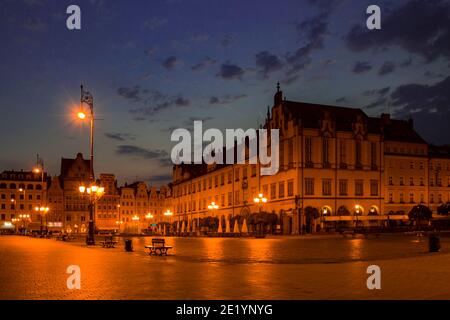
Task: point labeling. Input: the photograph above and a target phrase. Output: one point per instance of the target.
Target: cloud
(386, 68)
(226, 99)
(203, 64)
(361, 67)
(312, 32)
(155, 23)
(373, 92)
(131, 93)
(145, 76)
(290, 79)
(158, 102)
(423, 96)
(135, 151)
(171, 62)
(418, 26)
(341, 100)
(267, 63)
(230, 71)
(377, 103)
(120, 136)
(227, 40)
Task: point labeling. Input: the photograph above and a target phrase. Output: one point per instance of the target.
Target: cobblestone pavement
(36, 269)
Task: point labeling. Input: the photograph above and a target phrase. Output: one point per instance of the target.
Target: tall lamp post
(260, 200)
(94, 193)
(169, 214)
(86, 97)
(42, 211)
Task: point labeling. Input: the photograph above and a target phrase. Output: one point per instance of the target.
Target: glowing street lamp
(94, 192)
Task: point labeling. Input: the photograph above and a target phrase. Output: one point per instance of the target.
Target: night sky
(153, 66)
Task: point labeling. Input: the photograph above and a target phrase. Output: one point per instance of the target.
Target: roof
(439, 151)
(311, 114)
(401, 130)
(67, 163)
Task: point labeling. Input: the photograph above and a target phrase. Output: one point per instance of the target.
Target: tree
(420, 212)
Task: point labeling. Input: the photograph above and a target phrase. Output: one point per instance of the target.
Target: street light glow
(81, 115)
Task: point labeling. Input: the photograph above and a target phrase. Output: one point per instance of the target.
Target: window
(374, 187)
(391, 183)
(411, 181)
(325, 154)
(290, 153)
(358, 163)
(401, 181)
(222, 179)
(210, 182)
(290, 188)
(373, 155)
(309, 186)
(308, 151)
(236, 174)
(216, 181)
(359, 187)
(265, 190)
(391, 199)
(439, 198)
(236, 197)
(431, 198)
(230, 198)
(253, 170)
(281, 189)
(421, 198)
(342, 159)
(326, 187)
(411, 198)
(273, 191)
(401, 198)
(411, 165)
(244, 173)
(343, 187)
(230, 176)
(222, 200)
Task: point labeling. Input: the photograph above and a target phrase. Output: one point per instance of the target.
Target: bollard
(434, 243)
(128, 245)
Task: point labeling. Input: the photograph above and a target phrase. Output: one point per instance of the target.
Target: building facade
(338, 168)
(21, 192)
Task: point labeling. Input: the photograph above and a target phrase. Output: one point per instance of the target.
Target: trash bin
(128, 245)
(434, 243)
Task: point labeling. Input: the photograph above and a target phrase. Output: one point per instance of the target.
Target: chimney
(385, 119)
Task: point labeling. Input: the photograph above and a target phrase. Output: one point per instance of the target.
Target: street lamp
(42, 211)
(169, 214)
(259, 201)
(213, 206)
(94, 193)
(87, 98)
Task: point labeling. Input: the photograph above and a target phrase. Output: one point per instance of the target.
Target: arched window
(30, 187)
(12, 186)
(2, 185)
(38, 187)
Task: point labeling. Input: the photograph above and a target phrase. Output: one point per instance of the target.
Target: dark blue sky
(156, 65)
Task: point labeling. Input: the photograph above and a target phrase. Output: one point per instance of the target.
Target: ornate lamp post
(135, 219)
(87, 98)
(42, 211)
(94, 193)
(169, 214)
(260, 200)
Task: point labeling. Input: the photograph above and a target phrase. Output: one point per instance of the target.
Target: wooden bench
(109, 242)
(158, 247)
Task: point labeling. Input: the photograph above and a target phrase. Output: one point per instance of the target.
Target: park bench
(158, 247)
(109, 242)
